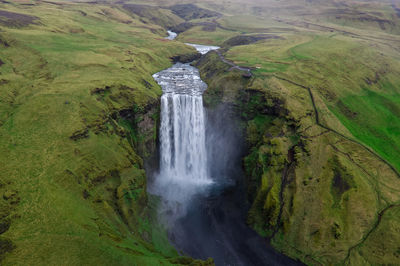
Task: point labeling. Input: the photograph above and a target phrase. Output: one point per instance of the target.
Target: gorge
(256, 133)
(201, 181)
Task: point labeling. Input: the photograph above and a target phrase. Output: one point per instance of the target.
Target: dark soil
(207, 26)
(11, 19)
(5, 246)
(190, 11)
(248, 39)
(4, 225)
(346, 110)
(182, 27)
(339, 183)
(397, 9)
(4, 42)
(186, 58)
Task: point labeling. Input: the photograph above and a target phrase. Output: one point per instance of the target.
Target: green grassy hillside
(321, 112)
(358, 84)
(78, 113)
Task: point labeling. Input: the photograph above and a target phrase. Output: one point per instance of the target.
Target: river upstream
(200, 180)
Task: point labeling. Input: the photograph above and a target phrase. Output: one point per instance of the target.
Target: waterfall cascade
(205, 217)
(182, 133)
(183, 156)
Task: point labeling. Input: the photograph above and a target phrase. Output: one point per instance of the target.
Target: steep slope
(322, 165)
(78, 114)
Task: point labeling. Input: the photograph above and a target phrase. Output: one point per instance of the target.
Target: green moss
(313, 190)
(257, 127)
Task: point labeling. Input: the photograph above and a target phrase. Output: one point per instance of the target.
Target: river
(200, 181)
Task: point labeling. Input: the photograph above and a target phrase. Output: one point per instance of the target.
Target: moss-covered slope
(317, 189)
(78, 114)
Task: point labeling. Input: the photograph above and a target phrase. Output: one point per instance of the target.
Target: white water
(203, 49)
(202, 223)
(171, 35)
(184, 170)
(182, 133)
(183, 156)
(183, 152)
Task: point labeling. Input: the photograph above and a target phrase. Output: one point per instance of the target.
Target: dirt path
(233, 65)
(380, 213)
(317, 120)
(374, 227)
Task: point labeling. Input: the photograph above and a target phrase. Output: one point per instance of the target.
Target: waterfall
(205, 217)
(183, 156)
(182, 137)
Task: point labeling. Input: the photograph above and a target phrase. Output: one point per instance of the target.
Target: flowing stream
(200, 180)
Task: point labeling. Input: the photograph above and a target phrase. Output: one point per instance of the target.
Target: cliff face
(321, 196)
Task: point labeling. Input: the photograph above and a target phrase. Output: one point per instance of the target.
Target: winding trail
(328, 129)
(374, 227)
(317, 120)
(233, 65)
(380, 213)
